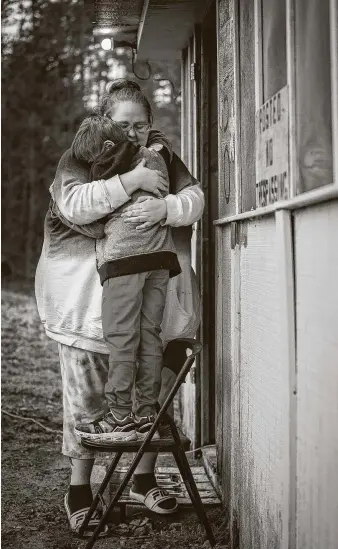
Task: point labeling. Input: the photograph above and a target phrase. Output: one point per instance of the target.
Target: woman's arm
(92, 230)
(182, 207)
(176, 210)
(79, 201)
(82, 202)
(186, 207)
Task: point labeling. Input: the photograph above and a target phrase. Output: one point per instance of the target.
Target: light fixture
(107, 44)
(101, 31)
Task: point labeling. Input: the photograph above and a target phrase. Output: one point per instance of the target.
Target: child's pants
(132, 313)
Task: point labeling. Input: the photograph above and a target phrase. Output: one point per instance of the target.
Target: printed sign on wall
(272, 150)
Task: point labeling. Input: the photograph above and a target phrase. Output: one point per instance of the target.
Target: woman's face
(130, 116)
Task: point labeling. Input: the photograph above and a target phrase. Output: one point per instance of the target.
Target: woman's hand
(141, 177)
(145, 212)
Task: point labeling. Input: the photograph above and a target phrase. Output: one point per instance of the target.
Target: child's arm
(92, 230)
(157, 141)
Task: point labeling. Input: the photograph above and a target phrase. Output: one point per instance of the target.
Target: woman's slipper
(153, 498)
(76, 519)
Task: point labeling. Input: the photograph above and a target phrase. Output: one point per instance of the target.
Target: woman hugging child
(134, 268)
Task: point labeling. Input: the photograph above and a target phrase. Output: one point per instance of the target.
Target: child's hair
(90, 137)
(121, 90)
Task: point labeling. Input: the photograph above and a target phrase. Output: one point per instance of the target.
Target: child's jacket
(124, 250)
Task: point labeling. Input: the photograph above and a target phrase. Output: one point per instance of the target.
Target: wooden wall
(264, 393)
(276, 330)
(277, 442)
(254, 405)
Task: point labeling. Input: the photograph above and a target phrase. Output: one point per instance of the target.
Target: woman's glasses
(138, 127)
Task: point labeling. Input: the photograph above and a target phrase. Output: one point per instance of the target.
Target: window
(285, 115)
(305, 98)
(263, 22)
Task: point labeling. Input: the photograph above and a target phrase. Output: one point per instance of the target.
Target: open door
(199, 124)
(208, 115)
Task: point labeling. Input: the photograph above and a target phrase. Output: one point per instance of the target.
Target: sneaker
(108, 429)
(143, 425)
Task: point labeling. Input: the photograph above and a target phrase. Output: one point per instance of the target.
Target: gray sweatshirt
(123, 249)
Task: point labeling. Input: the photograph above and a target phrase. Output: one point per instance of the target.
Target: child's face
(133, 119)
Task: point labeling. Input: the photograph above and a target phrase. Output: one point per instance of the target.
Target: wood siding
(316, 270)
(278, 440)
(264, 394)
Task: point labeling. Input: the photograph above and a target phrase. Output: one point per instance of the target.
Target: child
(134, 268)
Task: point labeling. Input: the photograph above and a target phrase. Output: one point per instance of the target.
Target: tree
(53, 73)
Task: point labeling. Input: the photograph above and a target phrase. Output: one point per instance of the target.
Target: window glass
(274, 46)
(313, 89)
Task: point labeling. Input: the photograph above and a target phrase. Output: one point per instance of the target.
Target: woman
(68, 289)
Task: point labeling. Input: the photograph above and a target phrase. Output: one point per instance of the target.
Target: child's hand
(155, 147)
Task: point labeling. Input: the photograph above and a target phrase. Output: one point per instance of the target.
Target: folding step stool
(176, 445)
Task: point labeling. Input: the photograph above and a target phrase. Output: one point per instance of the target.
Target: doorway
(208, 112)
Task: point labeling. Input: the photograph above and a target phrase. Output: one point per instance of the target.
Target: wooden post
(284, 246)
(236, 453)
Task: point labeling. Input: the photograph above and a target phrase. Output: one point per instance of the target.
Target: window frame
(334, 85)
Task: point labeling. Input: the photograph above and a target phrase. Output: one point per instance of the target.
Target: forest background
(54, 72)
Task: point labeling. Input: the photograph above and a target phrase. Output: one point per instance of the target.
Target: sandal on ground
(76, 519)
(153, 498)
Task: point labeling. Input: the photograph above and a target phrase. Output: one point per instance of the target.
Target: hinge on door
(193, 375)
(193, 71)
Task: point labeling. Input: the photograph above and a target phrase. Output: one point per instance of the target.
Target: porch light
(107, 44)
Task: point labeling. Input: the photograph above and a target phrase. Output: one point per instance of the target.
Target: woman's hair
(90, 137)
(121, 90)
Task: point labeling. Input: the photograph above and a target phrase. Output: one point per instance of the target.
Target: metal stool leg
(189, 481)
(123, 485)
(100, 492)
(115, 499)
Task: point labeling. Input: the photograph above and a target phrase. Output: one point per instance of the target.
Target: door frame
(205, 241)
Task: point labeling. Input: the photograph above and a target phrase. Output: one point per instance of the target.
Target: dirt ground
(35, 476)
